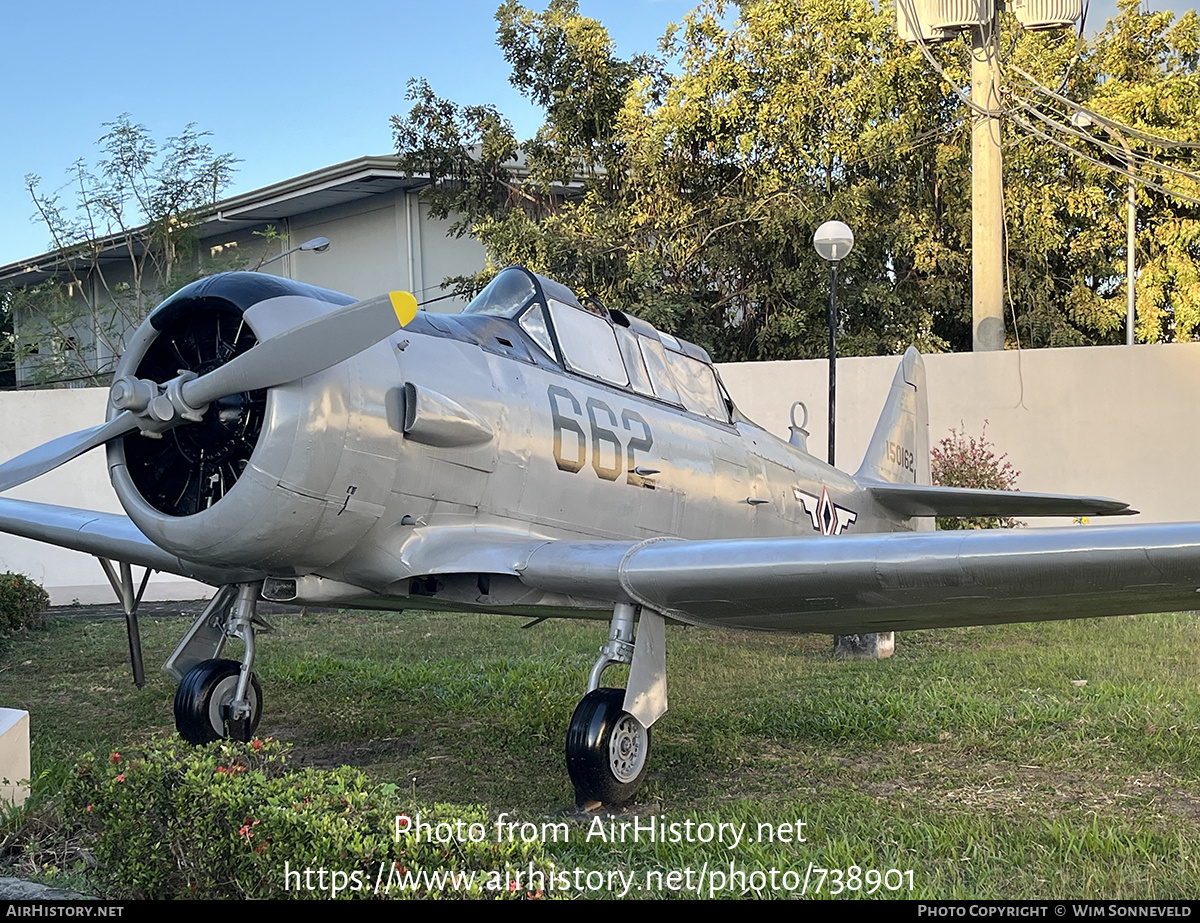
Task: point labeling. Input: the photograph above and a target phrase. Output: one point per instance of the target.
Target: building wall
(1114, 421)
(380, 244)
(377, 244)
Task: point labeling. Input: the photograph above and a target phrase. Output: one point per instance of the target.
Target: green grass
(1050, 760)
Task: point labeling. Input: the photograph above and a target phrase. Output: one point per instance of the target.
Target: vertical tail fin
(899, 450)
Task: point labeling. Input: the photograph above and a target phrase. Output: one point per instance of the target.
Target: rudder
(899, 450)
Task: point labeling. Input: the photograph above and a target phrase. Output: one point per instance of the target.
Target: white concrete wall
(29, 418)
(1114, 421)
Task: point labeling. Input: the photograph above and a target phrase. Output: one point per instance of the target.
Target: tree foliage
(1066, 215)
(120, 240)
(686, 187)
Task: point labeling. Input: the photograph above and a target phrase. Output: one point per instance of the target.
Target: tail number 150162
(608, 449)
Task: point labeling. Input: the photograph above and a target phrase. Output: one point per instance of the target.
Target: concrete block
(874, 646)
(14, 756)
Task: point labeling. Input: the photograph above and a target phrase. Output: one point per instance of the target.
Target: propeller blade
(311, 347)
(50, 455)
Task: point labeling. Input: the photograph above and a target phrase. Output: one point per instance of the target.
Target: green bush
(236, 821)
(23, 603)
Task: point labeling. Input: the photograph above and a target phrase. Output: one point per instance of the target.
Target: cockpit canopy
(605, 344)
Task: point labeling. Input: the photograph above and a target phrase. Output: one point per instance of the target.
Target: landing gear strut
(219, 698)
(608, 748)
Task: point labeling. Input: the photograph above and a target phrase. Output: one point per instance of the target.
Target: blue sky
(286, 87)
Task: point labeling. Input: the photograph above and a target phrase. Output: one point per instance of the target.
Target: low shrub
(23, 603)
(959, 460)
(236, 821)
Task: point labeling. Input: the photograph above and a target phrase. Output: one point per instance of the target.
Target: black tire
(200, 701)
(608, 750)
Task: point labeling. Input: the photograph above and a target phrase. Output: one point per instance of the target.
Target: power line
(964, 96)
(1068, 129)
(1103, 119)
(1037, 132)
(1113, 149)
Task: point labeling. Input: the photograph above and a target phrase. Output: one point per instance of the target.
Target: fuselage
(369, 480)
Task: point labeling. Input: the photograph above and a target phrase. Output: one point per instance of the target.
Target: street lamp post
(833, 242)
(316, 245)
(1083, 120)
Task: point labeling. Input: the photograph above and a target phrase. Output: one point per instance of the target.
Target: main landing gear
(205, 703)
(219, 698)
(608, 750)
(608, 739)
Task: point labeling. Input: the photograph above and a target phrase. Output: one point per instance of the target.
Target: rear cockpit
(603, 344)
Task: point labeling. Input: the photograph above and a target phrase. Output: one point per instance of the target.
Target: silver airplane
(542, 455)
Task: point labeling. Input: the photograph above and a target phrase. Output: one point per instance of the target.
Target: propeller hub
(129, 393)
(158, 408)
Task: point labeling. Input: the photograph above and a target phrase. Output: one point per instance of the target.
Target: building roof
(329, 186)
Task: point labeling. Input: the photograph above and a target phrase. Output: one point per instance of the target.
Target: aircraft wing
(882, 582)
(922, 500)
(105, 535)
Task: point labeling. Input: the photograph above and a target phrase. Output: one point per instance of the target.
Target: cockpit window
(609, 346)
(698, 386)
(635, 365)
(588, 343)
(504, 296)
(533, 322)
(660, 376)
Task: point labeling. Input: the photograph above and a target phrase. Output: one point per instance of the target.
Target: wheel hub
(220, 704)
(627, 748)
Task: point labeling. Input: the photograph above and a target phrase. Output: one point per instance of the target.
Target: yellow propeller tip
(405, 306)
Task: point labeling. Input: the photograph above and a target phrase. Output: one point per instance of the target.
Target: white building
(382, 238)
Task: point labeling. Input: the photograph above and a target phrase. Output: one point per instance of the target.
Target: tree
(120, 239)
(1066, 206)
(1153, 86)
(693, 201)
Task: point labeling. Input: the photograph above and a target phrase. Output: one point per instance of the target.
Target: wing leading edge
(885, 582)
(105, 535)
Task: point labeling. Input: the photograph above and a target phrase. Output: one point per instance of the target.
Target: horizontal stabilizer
(921, 500)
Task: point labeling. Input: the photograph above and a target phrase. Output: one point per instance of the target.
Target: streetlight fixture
(833, 242)
(317, 245)
(1082, 119)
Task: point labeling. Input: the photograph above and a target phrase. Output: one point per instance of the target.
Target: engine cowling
(284, 480)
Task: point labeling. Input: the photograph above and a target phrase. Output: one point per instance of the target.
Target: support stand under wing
(122, 584)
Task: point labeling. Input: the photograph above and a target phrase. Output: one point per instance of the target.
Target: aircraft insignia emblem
(827, 517)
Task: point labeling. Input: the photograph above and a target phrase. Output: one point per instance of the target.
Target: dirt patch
(353, 753)
(958, 779)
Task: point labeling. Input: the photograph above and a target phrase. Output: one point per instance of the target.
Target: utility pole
(920, 22)
(987, 193)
